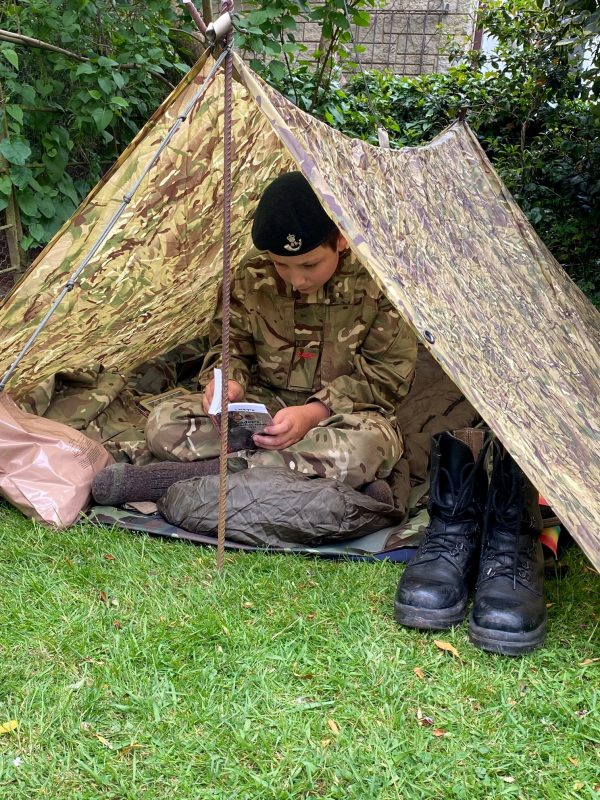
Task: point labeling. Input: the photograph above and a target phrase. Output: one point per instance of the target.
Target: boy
(314, 339)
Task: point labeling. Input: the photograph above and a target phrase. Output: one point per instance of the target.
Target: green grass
(136, 672)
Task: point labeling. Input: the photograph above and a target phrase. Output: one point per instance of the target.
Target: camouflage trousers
(354, 448)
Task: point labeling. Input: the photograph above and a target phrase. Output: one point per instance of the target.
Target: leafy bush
(65, 116)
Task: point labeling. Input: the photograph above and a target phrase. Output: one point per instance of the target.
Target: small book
(150, 401)
(244, 419)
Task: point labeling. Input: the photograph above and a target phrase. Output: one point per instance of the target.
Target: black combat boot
(509, 613)
(433, 590)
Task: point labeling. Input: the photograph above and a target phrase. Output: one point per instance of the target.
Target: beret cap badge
(293, 244)
(289, 203)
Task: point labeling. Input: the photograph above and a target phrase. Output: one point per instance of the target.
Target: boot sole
(431, 619)
(506, 643)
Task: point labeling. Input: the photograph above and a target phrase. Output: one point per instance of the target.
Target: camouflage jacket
(344, 345)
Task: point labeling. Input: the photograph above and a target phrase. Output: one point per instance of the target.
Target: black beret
(289, 219)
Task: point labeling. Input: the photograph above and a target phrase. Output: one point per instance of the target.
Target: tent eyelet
(429, 337)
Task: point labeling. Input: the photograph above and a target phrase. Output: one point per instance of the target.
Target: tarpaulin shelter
(434, 225)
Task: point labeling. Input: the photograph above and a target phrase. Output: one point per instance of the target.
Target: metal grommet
(429, 337)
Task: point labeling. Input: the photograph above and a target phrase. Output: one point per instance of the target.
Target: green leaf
(119, 101)
(277, 70)
(67, 188)
(85, 69)
(28, 203)
(5, 184)
(3, 203)
(102, 117)
(69, 17)
(258, 17)
(103, 61)
(46, 207)
(16, 112)
(106, 84)
(139, 27)
(15, 152)
(35, 185)
(21, 176)
(11, 56)
(118, 79)
(361, 18)
(37, 231)
(273, 48)
(28, 94)
(44, 88)
(94, 94)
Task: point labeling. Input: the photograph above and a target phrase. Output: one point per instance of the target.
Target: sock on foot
(126, 483)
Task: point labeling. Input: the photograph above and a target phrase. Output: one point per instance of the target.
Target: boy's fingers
(235, 391)
(271, 442)
(276, 428)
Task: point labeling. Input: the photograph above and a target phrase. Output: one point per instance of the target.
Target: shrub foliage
(67, 112)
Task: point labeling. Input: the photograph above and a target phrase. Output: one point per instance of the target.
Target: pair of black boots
(482, 533)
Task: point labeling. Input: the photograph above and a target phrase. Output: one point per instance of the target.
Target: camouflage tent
(434, 224)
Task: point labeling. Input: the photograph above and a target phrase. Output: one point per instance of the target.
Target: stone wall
(406, 35)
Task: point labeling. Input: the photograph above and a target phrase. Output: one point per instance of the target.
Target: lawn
(134, 671)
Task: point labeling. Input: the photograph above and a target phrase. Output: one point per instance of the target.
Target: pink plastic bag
(46, 468)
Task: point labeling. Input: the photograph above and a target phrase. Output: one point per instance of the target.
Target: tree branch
(17, 38)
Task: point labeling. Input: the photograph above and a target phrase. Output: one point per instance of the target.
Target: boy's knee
(165, 429)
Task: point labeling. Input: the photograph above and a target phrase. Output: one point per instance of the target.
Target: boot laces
(438, 539)
(505, 560)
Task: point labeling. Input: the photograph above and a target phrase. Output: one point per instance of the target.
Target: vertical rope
(226, 6)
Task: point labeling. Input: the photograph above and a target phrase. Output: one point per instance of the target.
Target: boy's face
(310, 271)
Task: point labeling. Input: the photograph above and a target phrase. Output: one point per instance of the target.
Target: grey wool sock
(126, 483)
(379, 490)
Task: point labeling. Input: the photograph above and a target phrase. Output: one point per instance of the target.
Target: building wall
(406, 35)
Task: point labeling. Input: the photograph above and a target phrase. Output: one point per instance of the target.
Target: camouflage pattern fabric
(434, 225)
(459, 259)
(153, 283)
(354, 448)
(344, 345)
(104, 405)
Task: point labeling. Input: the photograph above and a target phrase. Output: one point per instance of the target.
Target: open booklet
(244, 419)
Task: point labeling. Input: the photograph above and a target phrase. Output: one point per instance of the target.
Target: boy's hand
(290, 425)
(235, 393)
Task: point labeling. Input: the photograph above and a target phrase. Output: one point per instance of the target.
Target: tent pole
(226, 8)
